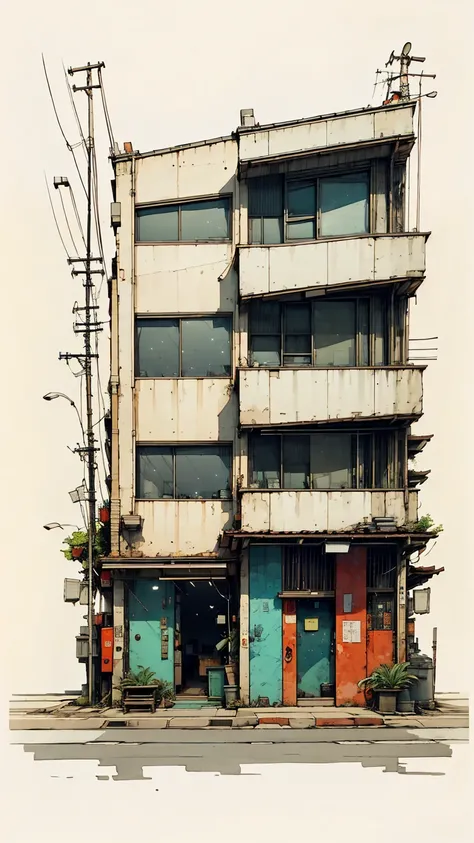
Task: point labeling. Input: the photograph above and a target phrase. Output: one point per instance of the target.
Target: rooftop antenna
(405, 60)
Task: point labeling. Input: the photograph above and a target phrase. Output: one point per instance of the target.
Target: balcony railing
(317, 511)
(302, 396)
(331, 263)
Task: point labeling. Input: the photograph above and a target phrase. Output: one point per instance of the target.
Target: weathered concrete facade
(262, 396)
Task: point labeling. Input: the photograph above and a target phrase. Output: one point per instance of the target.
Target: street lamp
(53, 525)
(51, 396)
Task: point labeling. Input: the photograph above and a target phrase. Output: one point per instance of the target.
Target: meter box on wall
(72, 590)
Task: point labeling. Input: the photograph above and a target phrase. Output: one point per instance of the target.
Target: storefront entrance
(203, 622)
(314, 646)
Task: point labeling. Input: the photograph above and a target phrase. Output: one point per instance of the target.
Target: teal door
(314, 646)
(151, 627)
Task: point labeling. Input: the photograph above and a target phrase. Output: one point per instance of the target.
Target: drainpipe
(114, 398)
(392, 159)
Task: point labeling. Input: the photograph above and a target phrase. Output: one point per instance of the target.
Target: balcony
(305, 396)
(329, 264)
(316, 511)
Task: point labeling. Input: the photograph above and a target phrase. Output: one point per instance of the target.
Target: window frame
(178, 204)
(173, 448)
(373, 302)
(396, 461)
(315, 179)
(179, 319)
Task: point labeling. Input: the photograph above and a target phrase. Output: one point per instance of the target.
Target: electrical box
(421, 601)
(347, 603)
(82, 647)
(72, 591)
(115, 213)
(84, 594)
(107, 644)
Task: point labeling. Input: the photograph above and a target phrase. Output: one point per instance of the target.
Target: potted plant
(144, 682)
(231, 642)
(104, 513)
(386, 682)
(78, 544)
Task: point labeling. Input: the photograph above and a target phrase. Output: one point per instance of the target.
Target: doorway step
(185, 701)
(315, 702)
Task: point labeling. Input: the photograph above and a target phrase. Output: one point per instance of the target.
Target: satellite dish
(406, 49)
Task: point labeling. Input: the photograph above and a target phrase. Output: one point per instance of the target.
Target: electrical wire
(106, 110)
(69, 146)
(76, 213)
(67, 222)
(55, 217)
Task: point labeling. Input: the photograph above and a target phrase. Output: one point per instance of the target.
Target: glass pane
(264, 317)
(344, 205)
(157, 348)
(255, 231)
(203, 472)
(272, 230)
(154, 473)
(205, 220)
(331, 461)
(380, 332)
(297, 344)
(296, 462)
(301, 199)
(205, 347)
(364, 331)
(381, 452)
(265, 350)
(297, 360)
(334, 333)
(304, 230)
(265, 462)
(297, 318)
(365, 461)
(157, 225)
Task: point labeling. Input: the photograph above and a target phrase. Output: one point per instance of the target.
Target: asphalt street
(223, 751)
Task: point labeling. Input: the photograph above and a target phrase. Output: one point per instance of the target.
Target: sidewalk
(452, 712)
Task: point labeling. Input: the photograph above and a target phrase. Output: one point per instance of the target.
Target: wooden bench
(139, 696)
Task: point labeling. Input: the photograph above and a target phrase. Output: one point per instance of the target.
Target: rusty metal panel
(185, 173)
(400, 257)
(185, 279)
(395, 507)
(350, 393)
(253, 145)
(412, 506)
(398, 392)
(297, 395)
(296, 511)
(347, 509)
(254, 390)
(183, 527)
(172, 410)
(303, 136)
(350, 260)
(393, 122)
(350, 129)
(294, 267)
(255, 512)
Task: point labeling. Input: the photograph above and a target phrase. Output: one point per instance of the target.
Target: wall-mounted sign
(348, 603)
(221, 620)
(351, 632)
(290, 618)
(311, 624)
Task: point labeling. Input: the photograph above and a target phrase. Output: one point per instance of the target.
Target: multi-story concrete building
(262, 402)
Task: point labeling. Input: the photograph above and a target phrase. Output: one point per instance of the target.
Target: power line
(67, 223)
(55, 217)
(106, 111)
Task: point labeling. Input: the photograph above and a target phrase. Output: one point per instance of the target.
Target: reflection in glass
(205, 347)
(157, 348)
(203, 472)
(154, 467)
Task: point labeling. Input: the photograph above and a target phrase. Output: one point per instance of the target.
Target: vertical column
(401, 609)
(244, 660)
(289, 653)
(351, 625)
(119, 637)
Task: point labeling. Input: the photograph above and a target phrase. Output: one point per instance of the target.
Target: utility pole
(87, 327)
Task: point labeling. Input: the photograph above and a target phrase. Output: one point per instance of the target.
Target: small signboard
(311, 624)
(351, 632)
(290, 618)
(221, 620)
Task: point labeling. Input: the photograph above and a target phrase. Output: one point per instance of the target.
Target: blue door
(151, 627)
(314, 646)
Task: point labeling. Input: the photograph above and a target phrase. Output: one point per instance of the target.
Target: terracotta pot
(77, 552)
(104, 515)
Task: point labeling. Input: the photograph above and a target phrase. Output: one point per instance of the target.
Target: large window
(332, 460)
(194, 472)
(349, 332)
(332, 206)
(189, 222)
(188, 348)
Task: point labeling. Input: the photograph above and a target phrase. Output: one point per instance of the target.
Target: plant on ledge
(385, 682)
(425, 524)
(145, 677)
(78, 543)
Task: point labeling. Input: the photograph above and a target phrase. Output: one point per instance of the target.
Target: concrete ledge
(190, 722)
(57, 723)
(273, 721)
(245, 722)
(302, 722)
(334, 721)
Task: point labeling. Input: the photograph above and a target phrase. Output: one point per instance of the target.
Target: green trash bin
(215, 683)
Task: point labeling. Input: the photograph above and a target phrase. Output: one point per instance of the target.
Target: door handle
(288, 654)
(137, 637)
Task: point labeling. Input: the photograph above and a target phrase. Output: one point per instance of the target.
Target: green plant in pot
(386, 682)
(144, 677)
(231, 644)
(78, 544)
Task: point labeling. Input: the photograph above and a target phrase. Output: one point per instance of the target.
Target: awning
(416, 575)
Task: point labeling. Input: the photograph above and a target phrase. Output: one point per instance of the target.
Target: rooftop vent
(247, 117)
